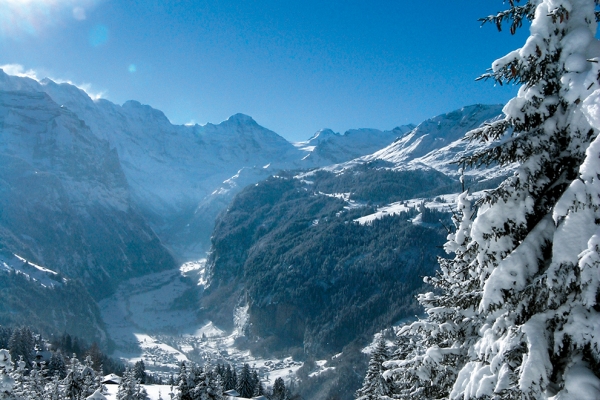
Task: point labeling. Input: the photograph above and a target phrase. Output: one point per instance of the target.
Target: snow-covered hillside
(436, 144)
(156, 319)
(328, 147)
(34, 273)
(176, 173)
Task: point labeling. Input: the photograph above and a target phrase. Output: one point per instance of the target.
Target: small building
(111, 379)
(231, 394)
(234, 395)
(97, 395)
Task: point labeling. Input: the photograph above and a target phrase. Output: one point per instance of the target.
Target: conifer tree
(278, 389)
(53, 389)
(96, 355)
(21, 344)
(516, 311)
(139, 371)
(214, 387)
(7, 382)
(375, 386)
(5, 334)
(228, 380)
(90, 380)
(245, 385)
(201, 381)
(56, 365)
(255, 380)
(234, 378)
(130, 388)
(259, 389)
(35, 384)
(72, 383)
(185, 383)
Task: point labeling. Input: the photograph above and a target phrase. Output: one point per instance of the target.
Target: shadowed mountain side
(65, 200)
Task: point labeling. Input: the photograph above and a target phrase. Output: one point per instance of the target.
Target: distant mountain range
(100, 193)
(173, 171)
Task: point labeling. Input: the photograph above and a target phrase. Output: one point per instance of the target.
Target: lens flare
(98, 35)
(79, 13)
(30, 17)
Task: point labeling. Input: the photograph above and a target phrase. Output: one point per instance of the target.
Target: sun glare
(30, 17)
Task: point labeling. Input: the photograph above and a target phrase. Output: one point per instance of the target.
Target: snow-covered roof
(234, 395)
(97, 395)
(112, 378)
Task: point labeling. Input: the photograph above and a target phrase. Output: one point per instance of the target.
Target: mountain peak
(241, 118)
(145, 110)
(322, 134)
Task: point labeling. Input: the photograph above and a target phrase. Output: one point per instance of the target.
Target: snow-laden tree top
(516, 314)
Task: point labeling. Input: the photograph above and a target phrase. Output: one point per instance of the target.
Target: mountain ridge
(199, 158)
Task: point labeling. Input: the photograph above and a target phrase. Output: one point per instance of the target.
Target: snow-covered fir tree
(515, 315)
(259, 389)
(279, 390)
(21, 344)
(198, 383)
(130, 388)
(245, 385)
(185, 382)
(229, 380)
(375, 386)
(139, 371)
(7, 382)
(56, 365)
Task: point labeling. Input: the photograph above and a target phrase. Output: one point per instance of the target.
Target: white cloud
(19, 70)
(33, 16)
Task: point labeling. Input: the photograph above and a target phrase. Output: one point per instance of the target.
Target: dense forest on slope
(372, 183)
(312, 278)
(65, 307)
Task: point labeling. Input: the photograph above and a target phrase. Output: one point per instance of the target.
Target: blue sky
(294, 66)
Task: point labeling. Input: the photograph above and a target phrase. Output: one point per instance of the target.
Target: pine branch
(514, 15)
(488, 132)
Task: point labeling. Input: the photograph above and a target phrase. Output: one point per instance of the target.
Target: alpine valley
(221, 242)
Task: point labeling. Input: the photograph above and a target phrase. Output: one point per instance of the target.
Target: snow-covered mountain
(64, 198)
(95, 190)
(181, 176)
(328, 147)
(169, 169)
(436, 144)
(417, 165)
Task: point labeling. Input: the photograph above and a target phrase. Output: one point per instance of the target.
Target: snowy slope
(327, 147)
(147, 321)
(436, 144)
(35, 273)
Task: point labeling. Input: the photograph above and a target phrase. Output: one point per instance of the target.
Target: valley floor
(148, 320)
